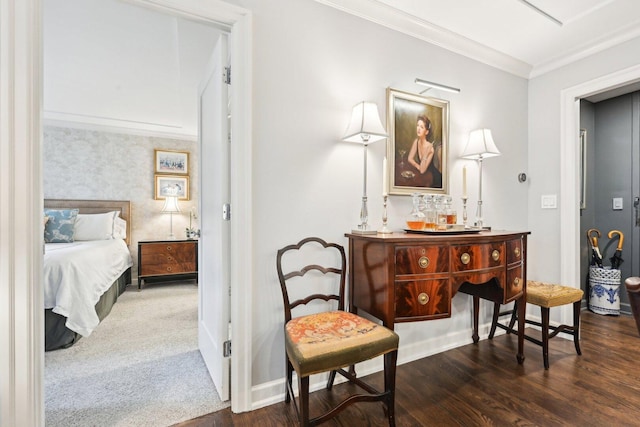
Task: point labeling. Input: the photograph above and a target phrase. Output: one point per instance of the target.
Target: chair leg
(576, 325)
(332, 377)
(545, 336)
(303, 399)
(287, 396)
(494, 321)
(390, 360)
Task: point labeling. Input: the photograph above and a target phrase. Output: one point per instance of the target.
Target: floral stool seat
(545, 295)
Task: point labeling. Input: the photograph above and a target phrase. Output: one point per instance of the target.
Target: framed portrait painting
(172, 185)
(172, 162)
(418, 130)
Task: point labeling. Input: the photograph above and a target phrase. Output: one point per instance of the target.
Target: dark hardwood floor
(483, 385)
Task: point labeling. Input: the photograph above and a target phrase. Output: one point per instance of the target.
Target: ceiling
(525, 37)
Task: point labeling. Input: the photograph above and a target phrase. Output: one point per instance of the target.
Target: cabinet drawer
(476, 257)
(159, 269)
(427, 299)
(514, 251)
(426, 259)
(167, 248)
(514, 284)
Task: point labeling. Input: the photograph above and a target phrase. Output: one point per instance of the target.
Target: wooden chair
(329, 341)
(544, 295)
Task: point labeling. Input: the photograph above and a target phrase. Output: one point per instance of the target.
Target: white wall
(545, 145)
(110, 63)
(312, 63)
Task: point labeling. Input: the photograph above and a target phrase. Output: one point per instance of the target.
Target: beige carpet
(140, 367)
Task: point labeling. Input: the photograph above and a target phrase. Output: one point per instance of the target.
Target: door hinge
(226, 212)
(226, 348)
(226, 75)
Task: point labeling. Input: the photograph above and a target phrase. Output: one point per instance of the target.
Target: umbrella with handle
(596, 257)
(616, 259)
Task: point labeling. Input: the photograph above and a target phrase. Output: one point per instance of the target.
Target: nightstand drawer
(167, 268)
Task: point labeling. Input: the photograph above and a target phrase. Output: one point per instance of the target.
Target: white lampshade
(171, 205)
(365, 125)
(480, 145)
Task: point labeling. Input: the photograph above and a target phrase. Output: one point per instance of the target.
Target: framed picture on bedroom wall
(172, 162)
(418, 143)
(172, 185)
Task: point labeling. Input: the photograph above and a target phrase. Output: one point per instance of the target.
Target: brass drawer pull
(423, 262)
(168, 268)
(516, 251)
(465, 258)
(495, 255)
(169, 248)
(516, 281)
(169, 258)
(423, 298)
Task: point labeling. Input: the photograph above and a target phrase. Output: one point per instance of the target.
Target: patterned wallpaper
(88, 164)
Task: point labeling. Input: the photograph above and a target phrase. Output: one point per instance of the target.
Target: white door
(214, 286)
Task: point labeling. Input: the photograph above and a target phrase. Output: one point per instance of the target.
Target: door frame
(21, 195)
(569, 174)
(239, 22)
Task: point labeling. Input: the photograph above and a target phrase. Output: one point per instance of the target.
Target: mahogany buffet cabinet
(409, 277)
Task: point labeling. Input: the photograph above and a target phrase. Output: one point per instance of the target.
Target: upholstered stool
(545, 295)
(633, 290)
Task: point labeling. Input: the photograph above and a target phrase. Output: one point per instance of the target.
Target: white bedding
(77, 274)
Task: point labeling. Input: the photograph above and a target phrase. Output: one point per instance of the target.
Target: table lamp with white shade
(171, 207)
(364, 128)
(479, 147)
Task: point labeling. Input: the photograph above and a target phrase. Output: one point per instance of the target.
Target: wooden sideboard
(408, 277)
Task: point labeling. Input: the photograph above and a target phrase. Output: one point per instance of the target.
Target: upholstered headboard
(95, 207)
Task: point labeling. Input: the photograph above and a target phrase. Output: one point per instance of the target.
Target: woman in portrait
(423, 155)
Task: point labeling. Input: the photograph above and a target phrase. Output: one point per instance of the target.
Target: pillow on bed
(119, 228)
(94, 226)
(59, 227)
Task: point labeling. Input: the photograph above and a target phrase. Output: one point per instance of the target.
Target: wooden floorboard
(483, 385)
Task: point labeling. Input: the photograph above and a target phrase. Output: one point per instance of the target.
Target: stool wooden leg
(514, 316)
(390, 360)
(494, 321)
(545, 336)
(576, 325)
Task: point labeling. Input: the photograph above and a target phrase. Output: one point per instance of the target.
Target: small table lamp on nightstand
(171, 207)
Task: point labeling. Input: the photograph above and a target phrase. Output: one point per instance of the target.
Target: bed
(83, 277)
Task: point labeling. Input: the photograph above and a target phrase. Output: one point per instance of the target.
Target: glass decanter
(415, 219)
(429, 212)
(452, 215)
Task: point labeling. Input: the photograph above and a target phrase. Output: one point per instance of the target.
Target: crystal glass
(415, 219)
(452, 215)
(430, 213)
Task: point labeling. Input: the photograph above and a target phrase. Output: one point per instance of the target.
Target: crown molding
(402, 22)
(102, 124)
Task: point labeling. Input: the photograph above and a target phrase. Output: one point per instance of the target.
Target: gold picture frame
(171, 162)
(168, 185)
(406, 172)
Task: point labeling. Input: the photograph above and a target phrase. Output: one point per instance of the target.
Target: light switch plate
(617, 203)
(549, 201)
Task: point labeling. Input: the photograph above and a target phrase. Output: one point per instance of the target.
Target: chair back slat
(287, 285)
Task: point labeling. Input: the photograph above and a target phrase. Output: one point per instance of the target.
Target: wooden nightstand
(166, 258)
